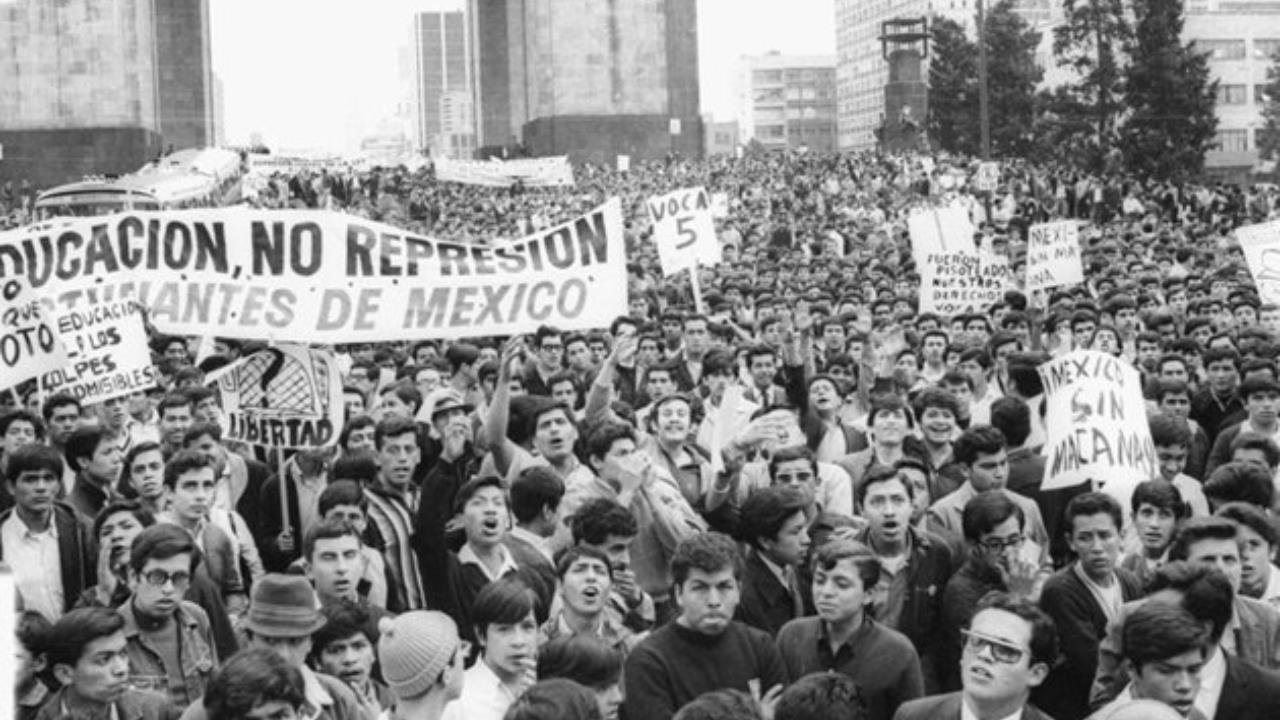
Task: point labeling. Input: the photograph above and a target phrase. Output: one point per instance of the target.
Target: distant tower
(905, 45)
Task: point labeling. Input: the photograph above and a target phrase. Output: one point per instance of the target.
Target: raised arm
(499, 415)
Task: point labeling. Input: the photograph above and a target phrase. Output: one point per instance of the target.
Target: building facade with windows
(1241, 37)
(445, 122)
(789, 101)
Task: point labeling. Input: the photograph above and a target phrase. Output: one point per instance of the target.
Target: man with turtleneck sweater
(703, 649)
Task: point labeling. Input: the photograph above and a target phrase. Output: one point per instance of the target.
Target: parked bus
(185, 179)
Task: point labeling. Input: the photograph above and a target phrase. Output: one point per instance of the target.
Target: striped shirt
(393, 520)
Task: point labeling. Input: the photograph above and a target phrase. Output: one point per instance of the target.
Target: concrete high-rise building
(1241, 37)
(789, 101)
(588, 78)
(442, 47)
(101, 86)
(184, 69)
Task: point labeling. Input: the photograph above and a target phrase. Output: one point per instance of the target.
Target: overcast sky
(323, 73)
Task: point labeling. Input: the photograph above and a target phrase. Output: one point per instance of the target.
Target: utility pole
(984, 113)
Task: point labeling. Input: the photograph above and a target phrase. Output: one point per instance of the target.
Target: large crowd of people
(792, 495)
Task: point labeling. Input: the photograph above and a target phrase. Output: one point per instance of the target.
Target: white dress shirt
(36, 564)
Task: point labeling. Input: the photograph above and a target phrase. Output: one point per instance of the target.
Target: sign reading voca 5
(684, 230)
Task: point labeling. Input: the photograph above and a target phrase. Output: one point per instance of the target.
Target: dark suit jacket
(766, 604)
(947, 707)
(1081, 626)
(1249, 692)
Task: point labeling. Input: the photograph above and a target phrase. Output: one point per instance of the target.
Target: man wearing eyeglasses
(169, 641)
(549, 360)
(1008, 649)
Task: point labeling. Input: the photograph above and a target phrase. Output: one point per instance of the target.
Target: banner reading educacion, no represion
(320, 277)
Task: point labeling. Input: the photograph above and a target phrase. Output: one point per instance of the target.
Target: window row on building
(1235, 49)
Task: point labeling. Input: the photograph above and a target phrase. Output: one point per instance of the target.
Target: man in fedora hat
(283, 613)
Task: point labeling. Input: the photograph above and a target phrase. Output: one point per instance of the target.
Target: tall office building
(1241, 37)
(588, 78)
(101, 86)
(443, 60)
(789, 101)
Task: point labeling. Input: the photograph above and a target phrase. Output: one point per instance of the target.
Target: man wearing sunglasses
(170, 643)
(1008, 648)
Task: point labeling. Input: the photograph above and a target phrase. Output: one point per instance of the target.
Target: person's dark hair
(249, 679)
(1252, 517)
(342, 619)
(161, 542)
(1157, 631)
(341, 492)
(832, 552)
(877, 474)
(126, 474)
(328, 529)
(57, 400)
(505, 601)
(185, 461)
(361, 468)
(1012, 417)
(1260, 443)
(977, 355)
(358, 422)
(1044, 635)
(33, 457)
(985, 511)
(1195, 529)
(975, 441)
(1159, 493)
(889, 402)
(176, 399)
(720, 705)
(33, 630)
(582, 658)
(821, 696)
(1091, 503)
(473, 486)
(1169, 431)
(567, 557)
(83, 443)
(199, 430)
(1206, 592)
(790, 454)
(1023, 371)
(1240, 482)
(935, 397)
(392, 428)
(555, 699)
(597, 519)
(766, 510)
(536, 488)
(26, 416)
(601, 439)
(144, 516)
(709, 552)
(71, 634)
(543, 332)
(1218, 354)
(718, 362)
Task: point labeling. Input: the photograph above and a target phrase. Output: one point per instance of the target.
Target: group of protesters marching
(775, 487)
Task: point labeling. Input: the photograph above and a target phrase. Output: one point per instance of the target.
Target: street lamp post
(984, 116)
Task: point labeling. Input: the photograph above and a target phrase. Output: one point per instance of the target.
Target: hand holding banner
(683, 230)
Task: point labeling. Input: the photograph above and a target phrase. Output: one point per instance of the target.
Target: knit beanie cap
(415, 647)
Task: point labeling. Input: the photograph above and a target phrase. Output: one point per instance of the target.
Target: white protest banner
(940, 230)
(29, 341)
(1096, 423)
(286, 396)
(962, 282)
(107, 352)
(624, 163)
(719, 205)
(1053, 255)
(321, 277)
(987, 177)
(1261, 247)
(531, 172)
(683, 230)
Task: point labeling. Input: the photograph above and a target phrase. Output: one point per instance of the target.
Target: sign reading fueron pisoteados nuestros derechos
(322, 277)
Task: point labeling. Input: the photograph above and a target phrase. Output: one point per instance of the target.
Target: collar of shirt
(25, 532)
(1248, 426)
(317, 697)
(467, 556)
(538, 542)
(482, 678)
(967, 713)
(1212, 675)
(35, 697)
